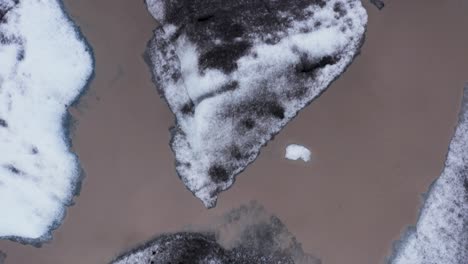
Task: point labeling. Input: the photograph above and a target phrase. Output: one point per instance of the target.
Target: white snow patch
(44, 65)
(209, 82)
(156, 8)
(295, 152)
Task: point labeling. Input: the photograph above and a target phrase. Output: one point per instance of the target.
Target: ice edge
(400, 244)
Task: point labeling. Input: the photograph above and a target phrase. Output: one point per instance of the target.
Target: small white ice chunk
(295, 152)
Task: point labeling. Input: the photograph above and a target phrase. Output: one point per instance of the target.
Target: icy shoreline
(49, 68)
(441, 232)
(235, 73)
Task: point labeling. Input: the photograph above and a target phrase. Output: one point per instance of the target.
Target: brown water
(379, 137)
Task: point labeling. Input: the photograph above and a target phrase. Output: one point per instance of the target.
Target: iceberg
(235, 72)
(45, 66)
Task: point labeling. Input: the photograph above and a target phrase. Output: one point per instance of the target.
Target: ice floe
(234, 72)
(295, 152)
(441, 233)
(44, 67)
(245, 235)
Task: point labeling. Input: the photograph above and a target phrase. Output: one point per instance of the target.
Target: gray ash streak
(246, 235)
(234, 72)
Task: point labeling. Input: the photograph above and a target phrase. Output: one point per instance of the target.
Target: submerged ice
(378, 3)
(245, 235)
(235, 72)
(441, 233)
(44, 66)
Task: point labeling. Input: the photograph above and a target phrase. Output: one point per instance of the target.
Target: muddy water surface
(379, 137)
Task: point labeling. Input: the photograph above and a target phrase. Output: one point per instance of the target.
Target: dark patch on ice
(3, 123)
(309, 65)
(20, 54)
(234, 72)
(184, 248)
(205, 17)
(5, 7)
(465, 184)
(236, 152)
(225, 88)
(378, 3)
(218, 173)
(247, 235)
(255, 109)
(34, 150)
(224, 57)
(339, 9)
(13, 169)
(188, 108)
(248, 123)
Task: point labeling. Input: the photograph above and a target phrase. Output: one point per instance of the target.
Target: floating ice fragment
(44, 67)
(441, 233)
(234, 72)
(295, 152)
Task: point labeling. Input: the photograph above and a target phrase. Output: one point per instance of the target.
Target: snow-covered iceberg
(45, 65)
(245, 235)
(234, 72)
(441, 233)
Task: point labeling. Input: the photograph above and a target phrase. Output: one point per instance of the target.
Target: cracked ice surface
(234, 72)
(44, 66)
(441, 233)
